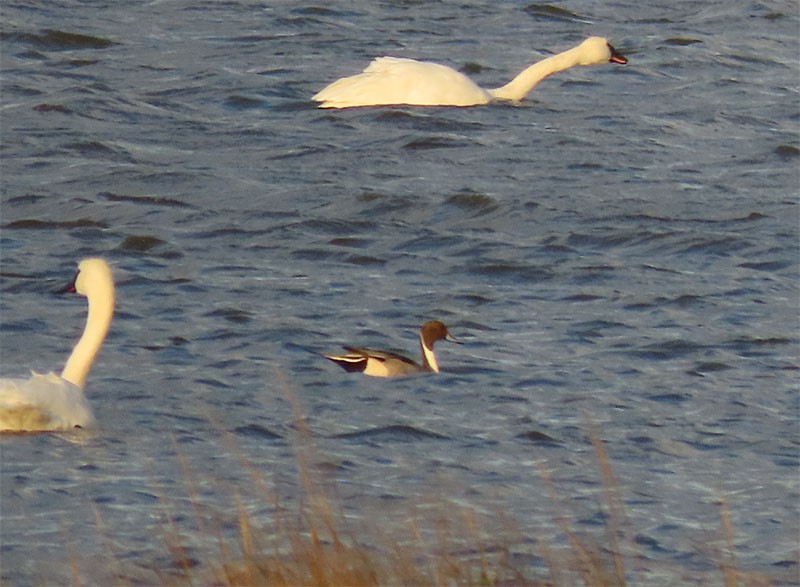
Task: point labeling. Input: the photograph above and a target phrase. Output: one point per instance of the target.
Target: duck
(401, 81)
(49, 402)
(387, 364)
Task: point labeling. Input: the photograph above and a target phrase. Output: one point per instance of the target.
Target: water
(620, 254)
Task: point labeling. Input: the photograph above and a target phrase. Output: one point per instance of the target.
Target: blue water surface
(619, 254)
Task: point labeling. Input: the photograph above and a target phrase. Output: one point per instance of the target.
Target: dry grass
(313, 543)
(310, 549)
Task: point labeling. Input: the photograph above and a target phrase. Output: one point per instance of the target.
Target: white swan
(53, 402)
(392, 80)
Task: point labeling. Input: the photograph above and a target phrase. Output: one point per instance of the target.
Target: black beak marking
(616, 56)
(70, 287)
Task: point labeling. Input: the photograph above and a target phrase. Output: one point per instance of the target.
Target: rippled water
(619, 252)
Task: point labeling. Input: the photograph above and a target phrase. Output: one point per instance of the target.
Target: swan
(386, 364)
(57, 402)
(394, 80)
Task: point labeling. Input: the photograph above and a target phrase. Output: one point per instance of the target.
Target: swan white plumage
(53, 402)
(395, 81)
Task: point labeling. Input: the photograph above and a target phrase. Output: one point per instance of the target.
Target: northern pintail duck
(386, 364)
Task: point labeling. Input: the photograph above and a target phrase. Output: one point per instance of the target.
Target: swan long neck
(101, 309)
(522, 85)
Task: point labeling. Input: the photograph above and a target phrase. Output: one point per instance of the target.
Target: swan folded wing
(396, 80)
(43, 402)
(378, 84)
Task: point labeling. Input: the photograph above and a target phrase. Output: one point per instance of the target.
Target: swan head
(598, 50)
(91, 274)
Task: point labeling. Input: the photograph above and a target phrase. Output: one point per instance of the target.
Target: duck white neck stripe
(428, 356)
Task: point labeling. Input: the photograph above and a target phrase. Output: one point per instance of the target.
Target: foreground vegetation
(314, 544)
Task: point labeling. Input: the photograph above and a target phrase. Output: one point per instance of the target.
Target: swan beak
(617, 57)
(70, 287)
